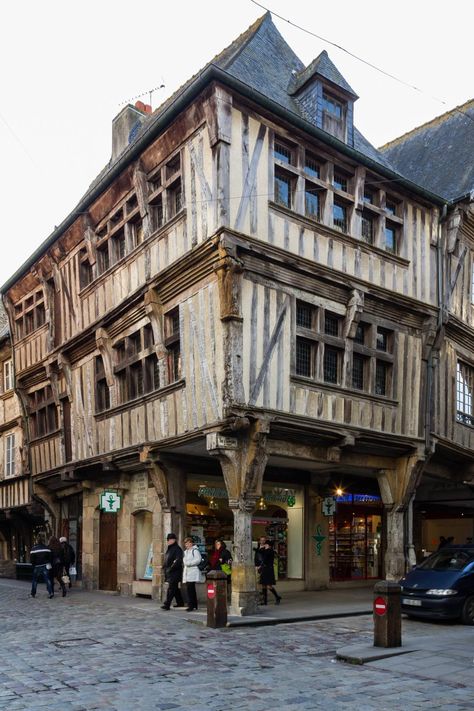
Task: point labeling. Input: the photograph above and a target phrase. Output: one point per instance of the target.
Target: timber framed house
(230, 331)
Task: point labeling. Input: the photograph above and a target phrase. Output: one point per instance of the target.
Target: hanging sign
(110, 501)
(329, 506)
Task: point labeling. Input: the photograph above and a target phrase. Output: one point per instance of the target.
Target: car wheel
(468, 611)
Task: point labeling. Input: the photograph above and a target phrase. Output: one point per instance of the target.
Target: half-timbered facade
(438, 155)
(232, 325)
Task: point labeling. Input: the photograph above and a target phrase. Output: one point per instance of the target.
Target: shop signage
(380, 606)
(358, 499)
(329, 506)
(217, 441)
(211, 591)
(110, 501)
(279, 496)
(319, 538)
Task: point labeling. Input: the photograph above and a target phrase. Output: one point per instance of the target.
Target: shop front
(279, 516)
(355, 538)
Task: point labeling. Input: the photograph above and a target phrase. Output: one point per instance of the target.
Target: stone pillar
(244, 585)
(397, 488)
(243, 459)
(317, 558)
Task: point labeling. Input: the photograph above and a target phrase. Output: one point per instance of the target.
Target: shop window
(136, 366)
(464, 393)
(10, 450)
(8, 378)
(43, 412)
(30, 314)
(165, 191)
(173, 346)
(355, 540)
(143, 545)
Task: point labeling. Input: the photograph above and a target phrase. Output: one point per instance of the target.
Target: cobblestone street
(93, 651)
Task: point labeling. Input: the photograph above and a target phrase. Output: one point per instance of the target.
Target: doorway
(108, 551)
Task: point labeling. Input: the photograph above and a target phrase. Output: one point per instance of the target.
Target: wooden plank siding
(14, 492)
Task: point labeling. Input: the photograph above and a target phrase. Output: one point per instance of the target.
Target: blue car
(442, 587)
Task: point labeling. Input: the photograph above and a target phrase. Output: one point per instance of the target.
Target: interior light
(339, 491)
(261, 506)
(213, 504)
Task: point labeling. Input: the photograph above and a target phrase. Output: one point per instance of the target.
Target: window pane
(311, 166)
(382, 339)
(390, 239)
(282, 189)
(367, 229)
(358, 372)
(330, 365)
(282, 152)
(464, 391)
(332, 105)
(368, 196)
(311, 200)
(391, 207)
(360, 334)
(304, 315)
(303, 357)
(331, 324)
(339, 217)
(340, 182)
(381, 369)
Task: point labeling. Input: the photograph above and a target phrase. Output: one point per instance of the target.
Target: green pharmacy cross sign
(319, 539)
(110, 501)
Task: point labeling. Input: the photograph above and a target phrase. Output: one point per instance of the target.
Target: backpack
(204, 564)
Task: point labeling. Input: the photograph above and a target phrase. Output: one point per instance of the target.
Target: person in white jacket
(191, 572)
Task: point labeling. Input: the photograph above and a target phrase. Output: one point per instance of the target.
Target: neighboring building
(439, 156)
(19, 515)
(232, 324)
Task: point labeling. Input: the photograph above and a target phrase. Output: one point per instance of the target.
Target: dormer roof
(323, 67)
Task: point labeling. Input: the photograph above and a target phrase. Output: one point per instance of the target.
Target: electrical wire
(360, 59)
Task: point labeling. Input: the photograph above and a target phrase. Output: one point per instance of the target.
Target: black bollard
(387, 614)
(216, 586)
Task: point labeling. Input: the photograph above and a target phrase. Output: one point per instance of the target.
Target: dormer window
(334, 115)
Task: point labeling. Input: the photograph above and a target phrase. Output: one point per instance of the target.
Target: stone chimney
(126, 125)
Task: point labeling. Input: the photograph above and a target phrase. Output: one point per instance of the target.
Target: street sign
(211, 591)
(329, 506)
(110, 501)
(380, 606)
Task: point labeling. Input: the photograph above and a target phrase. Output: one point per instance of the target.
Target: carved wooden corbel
(52, 373)
(355, 307)
(104, 344)
(141, 190)
(90, 239)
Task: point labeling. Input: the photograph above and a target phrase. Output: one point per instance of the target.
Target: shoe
(176, 605)
(64, 593)
(278, 600)
(190, 609)
(31, 595)
(50, 596)
(165, 607)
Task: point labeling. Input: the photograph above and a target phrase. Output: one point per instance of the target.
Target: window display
(355, 542)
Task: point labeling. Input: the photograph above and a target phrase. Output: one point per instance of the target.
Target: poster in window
(148, 574)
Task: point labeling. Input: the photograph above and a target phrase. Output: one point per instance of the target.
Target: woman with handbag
(191, 573)
(57, 570)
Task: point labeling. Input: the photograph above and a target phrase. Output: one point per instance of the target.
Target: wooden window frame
(173, 345)
(8, 375)
(43, 412)
(10, 455)
(166, 195)
(136, 366)
(30, 314)
(464, 393)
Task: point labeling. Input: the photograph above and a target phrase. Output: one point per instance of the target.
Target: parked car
(442, 586)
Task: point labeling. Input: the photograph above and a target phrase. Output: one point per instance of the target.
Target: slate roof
(439, 155)
(323, 66)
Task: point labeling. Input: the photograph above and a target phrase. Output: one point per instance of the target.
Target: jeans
(40, 573)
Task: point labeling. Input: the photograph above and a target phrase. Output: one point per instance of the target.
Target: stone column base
(244, 603)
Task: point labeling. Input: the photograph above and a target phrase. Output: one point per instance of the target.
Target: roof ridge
(432, 122)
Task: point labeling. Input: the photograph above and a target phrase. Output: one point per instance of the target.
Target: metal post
(216, 586)
(387, 614)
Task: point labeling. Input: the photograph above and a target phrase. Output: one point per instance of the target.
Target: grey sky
(67, 68)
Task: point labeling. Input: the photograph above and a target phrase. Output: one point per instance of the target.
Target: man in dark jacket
(41, 559)
(68, 555)
(173, 570)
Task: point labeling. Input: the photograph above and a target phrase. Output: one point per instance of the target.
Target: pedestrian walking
(41, 560)
(191, 572)
(69, 557)
(267, 573)
(57, 571)
(173, 570)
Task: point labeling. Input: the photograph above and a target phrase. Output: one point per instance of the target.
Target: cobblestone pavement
(92, 651)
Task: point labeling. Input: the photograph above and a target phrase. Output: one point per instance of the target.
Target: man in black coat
(173, 569)
(41, 558)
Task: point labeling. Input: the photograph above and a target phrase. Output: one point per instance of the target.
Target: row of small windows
(320, 351)
(30, 314)
(122, 231)
(292, 166)
(136, 368)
